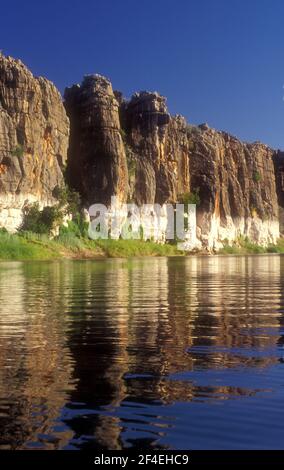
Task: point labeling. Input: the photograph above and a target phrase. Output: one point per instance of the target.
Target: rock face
(135, 150)
(33, 140)
(158, 146)
(279, 174)
(236, 186)
(97, 159)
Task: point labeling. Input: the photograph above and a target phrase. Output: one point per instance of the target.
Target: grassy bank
(30, 246)
(129, 248)
(243, 246)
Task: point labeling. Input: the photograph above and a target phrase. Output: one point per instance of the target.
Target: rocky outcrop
(97, 158)
(278, 159)
(236, 186)
(232, 182)
(159, 149)
(135, 150)
(33, 140)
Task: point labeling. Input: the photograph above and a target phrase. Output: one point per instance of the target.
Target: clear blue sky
(219, 61)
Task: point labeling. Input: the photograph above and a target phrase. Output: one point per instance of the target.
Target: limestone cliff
(158, 147)
(97, 159)
(278, 159)
(234, 181)
(33, 140)
(236, 186)
(136, 150)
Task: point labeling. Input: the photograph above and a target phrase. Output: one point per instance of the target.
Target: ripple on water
(162, 353)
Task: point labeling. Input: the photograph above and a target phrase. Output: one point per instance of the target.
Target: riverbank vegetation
(50, 234)
(32, 246)
(71, 244)
(243, 246)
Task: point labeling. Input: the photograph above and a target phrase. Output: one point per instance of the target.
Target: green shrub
(77, 226)
(45, 220)
(131, 165)
(257, 177)
(41, 221)
(18, 151)
(123, 134)
(230, 250)
(278, 248)
(130, 159)
(68, 200)
(242, 246)
(273, 249)
(190, 198)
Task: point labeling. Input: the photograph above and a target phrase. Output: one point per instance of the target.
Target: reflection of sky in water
(180, 353)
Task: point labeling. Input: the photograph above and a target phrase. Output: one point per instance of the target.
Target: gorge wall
(34, 133)
(133, 149)
(237, 188)
(97, 158)
(167, 160)
(278, 159)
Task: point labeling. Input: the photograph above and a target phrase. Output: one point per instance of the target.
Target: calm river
(161, 353)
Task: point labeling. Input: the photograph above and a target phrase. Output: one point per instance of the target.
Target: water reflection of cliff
(35, 362)
(151, 318)
(81, 342)
(239, 303)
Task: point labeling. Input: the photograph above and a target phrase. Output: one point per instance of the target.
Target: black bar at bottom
(123, 459)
